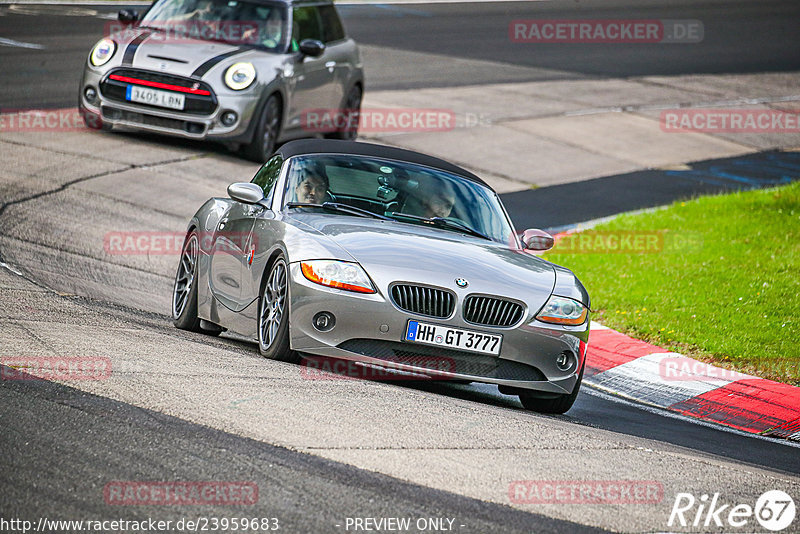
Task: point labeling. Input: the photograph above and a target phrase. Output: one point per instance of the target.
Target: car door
(228, 247)
(313, 76)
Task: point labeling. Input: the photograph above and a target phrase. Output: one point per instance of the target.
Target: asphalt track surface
(740, 37)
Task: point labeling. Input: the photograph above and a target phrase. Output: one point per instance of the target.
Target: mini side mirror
(312, 47)
(246, 192)
(127, 16)
(535, 239)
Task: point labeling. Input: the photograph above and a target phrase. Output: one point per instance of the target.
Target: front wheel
(273, 314)
(184, 291)
(266, 134)
(556, 405)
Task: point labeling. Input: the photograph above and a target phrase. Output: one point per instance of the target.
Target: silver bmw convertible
(387, 259)
(242, 72)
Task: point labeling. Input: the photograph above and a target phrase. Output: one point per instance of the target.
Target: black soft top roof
(330, 146)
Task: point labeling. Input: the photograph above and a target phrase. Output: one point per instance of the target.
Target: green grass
(724, 288)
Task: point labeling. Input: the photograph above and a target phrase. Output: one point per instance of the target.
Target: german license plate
(154, 97)
(453, 338)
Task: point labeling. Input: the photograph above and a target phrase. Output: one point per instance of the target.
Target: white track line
(19, 44)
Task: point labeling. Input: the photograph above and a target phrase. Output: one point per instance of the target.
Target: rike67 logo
(774, 510)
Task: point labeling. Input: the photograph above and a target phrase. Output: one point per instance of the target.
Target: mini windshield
(402, 191)
(229, 21)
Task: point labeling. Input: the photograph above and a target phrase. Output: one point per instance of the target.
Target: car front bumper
(368, 328)
(132, 116)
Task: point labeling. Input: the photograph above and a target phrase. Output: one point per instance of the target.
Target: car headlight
(240, 75)
(561, 310)
(102, 52)
(338, 274)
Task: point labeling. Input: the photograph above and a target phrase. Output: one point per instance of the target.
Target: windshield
(394, 189)
(229, 21)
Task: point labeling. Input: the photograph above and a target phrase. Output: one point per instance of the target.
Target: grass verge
(716, 278)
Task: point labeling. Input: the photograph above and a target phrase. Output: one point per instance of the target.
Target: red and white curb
(649, 374)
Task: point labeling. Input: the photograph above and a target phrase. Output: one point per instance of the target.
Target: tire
(266, 134)
(273, 314)
(351, 103)
(554, 405)
(184, 291)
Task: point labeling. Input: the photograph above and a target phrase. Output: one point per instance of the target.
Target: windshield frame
(286, 183)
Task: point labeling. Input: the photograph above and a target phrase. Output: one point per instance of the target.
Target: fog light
(91, 94)
(324, 321)
(564, 361)
(229, 118)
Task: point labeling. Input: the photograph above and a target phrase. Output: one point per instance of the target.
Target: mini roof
(330, 146)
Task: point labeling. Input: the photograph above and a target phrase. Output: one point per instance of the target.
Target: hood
(393, 251)
(157, 51)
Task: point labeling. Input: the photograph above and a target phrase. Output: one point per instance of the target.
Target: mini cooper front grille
(203, 104)
(423, 300)
(439, 359)
(491, 311)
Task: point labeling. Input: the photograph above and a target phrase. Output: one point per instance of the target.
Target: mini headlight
(102, 52)
(338, 274)
(240, 75)
(561, 310)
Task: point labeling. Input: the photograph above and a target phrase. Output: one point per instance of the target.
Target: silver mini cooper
(243, 72)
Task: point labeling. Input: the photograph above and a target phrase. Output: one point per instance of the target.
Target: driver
(272, 33)
(313, 187)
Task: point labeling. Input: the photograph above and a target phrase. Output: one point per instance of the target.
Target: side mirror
(540, 240)
(246, 192)
(312, 47)
(127, 16)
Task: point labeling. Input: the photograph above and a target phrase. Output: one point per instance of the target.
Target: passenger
(433, 198)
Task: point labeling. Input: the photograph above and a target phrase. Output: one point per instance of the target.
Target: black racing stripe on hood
(130, 51)
(205, 67)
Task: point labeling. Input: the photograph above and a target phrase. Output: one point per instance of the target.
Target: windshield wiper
(441, 222)
(341, 208)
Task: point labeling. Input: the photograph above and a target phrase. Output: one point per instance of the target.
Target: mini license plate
(154, 97)
(453, 338)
